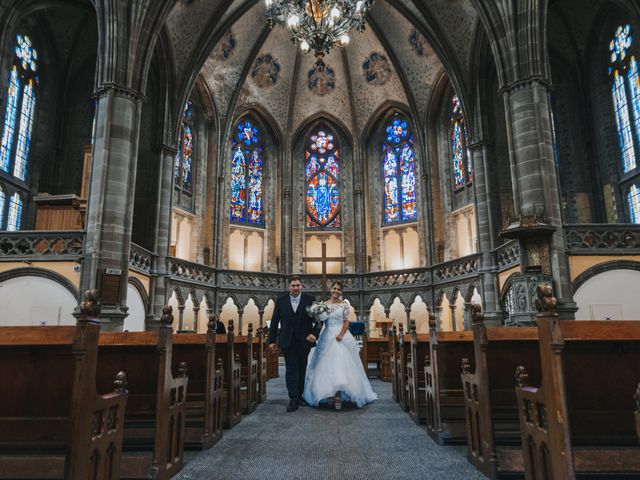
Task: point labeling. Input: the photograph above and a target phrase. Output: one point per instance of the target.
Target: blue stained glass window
(461, 159)
(184, 157)
(623, 122)
(634, 88)
(10, 120)
(398, 172)
(24, 133)
(3, 200)
(247, 166)
(634, 203)
(15, 213)
(20, 110)
(322, 170)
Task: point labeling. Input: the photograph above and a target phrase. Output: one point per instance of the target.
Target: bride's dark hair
(338, 283)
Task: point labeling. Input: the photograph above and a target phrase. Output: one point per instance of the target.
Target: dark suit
(294, 329)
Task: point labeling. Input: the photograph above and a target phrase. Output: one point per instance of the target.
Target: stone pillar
(261, 318)
(240, 313)
(110, 206)
(486, 234)
(438, 319)
(534, 179)
(360, 238)
(454, 327)
(159, 288)
(180, 317)
(407, 311)
(196, 311)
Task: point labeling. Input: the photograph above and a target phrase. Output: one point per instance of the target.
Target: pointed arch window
(15, 213)
(633, 198)
(20, 110)
(3, 201)
(625, 90)
(183, 171)
(247, 166)
(460, 156)
(399, 172)
(322, 173)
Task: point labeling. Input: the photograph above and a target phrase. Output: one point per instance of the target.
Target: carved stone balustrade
(41, 245)
(508, 255)
(455, 269)
(602, 239)
(140, 259)
(192, 272)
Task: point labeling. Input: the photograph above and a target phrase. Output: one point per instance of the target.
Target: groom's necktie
(295, 301)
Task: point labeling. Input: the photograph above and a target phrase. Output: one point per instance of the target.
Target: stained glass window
(398, 172)
(15, 213)
(21, 102)
(322, 172)
(626, 102)
(634, 203)
(460, 156)
(3, 200)
(184, 156)
(247, 165)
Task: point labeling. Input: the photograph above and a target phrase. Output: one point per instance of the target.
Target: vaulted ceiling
(397, 60)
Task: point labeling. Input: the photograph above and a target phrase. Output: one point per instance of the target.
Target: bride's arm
(345, 323)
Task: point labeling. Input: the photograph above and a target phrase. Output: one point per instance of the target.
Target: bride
(334, 371)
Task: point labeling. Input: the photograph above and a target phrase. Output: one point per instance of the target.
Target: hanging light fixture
(318, 25)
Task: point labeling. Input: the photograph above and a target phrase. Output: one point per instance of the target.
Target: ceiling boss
(318, 25)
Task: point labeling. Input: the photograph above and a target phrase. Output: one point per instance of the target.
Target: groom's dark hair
(293, 278)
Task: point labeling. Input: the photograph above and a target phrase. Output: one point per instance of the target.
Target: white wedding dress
(335, 366)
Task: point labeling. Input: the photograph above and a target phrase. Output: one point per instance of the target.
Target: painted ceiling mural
(250, 65)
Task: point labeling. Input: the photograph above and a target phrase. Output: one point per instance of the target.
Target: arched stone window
(460, 159)
(398, 172)
(625, 90)
(322, 175)
(247, 166)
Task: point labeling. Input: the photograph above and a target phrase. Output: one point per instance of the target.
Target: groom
(295, 339)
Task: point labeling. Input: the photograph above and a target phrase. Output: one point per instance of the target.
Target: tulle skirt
(335, 366)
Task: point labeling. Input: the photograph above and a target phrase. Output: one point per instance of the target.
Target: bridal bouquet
(319, 311)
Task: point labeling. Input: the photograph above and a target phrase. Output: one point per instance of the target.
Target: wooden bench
(203, 425)
(273, 363)
(53, 424)
(491, 407)
(376, 350)
(417, 399)
(243, 346)
(231, 378)
(153, 444)
(399, 353)
(580, 420)
(260, 346)
(443, 388)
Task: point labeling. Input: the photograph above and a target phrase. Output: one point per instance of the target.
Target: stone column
(110, 206)
(534, 177)
(180, 317)
(159, 287)
(261, 318)
(196, 311)
(452, 307)
(240, 313)
(486, 234)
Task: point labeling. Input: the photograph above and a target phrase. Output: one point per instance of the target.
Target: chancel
(467, 170)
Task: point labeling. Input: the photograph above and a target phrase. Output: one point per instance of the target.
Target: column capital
(118, 91)
(522, 83)
(479, 144)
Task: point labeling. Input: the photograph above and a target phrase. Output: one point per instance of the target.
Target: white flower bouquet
(319, 311)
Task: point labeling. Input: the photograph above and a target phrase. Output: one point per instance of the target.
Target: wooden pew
(203, 425)
(231, 384)
(243, 346)
(443, 388)
(260, 341)
(399, 353)
(153, 444)
(376, 350)
(273, 360)
(417, 399)
(491, 407)
(53, 424)
(580, 420)
(636, 397)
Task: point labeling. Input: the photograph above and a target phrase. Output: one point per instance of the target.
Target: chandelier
(318, 25)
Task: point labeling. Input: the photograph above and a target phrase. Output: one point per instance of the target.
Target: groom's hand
(272, 347)
(311, 338)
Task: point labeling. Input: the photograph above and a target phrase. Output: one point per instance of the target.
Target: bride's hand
(339, 338)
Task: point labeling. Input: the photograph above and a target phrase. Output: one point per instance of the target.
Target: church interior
(463, 167)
